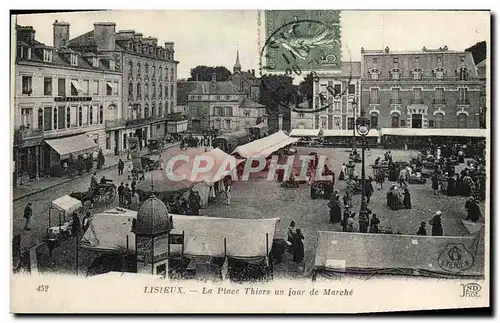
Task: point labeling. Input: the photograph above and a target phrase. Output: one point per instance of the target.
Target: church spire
(237, 65)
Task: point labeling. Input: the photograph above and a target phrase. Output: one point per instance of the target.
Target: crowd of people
(180, 204)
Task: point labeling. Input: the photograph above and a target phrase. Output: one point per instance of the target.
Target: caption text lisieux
(250, 291)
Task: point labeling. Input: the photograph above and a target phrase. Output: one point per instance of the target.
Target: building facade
(245, 82)
(339, 92)
(221, 106)
(59, 93)
(149, 73)
(483, 108)
(423, 89)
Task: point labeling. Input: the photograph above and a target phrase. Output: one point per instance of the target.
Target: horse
(84, 197)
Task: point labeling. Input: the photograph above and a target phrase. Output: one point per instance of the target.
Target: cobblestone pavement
(259, 198)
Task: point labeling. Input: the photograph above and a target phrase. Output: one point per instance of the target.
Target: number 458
(42, 288)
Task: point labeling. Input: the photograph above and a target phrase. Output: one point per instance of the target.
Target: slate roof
(208, 87)
(183, 90)
(249, 104)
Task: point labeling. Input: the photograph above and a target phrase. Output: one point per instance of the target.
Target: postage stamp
(338, 164)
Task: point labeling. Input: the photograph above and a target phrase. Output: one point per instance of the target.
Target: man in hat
(437, 228)
(28, 213)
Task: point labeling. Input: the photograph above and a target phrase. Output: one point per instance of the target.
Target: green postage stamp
(301, 40)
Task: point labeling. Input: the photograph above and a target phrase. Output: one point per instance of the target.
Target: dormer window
(374, 73)
(130, 45)
(396, 74)
(462, 59)
(395, 60)
(417, 60)
(47, 55)
(463, 74)
(95, 62)
(74, 59)
(25, 52)
(417, 74)
(439, 72)
(374, 60)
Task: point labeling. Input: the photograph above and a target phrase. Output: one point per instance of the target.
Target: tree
(306, 88)
(277, 92)
(478, 51)
(204, 73)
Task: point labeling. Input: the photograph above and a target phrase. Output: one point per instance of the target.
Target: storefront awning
(76, 85)
(71, 145)
(113, 86)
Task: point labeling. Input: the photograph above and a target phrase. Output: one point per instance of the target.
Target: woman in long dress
(298, 246)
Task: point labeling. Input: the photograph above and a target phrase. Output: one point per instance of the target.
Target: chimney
(127, 33)
(61, 34)
(26, 34)
(105, 35)
(253, 72)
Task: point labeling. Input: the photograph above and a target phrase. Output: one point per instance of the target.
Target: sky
(212, 37)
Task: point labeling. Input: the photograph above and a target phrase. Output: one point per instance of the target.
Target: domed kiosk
(152, 228)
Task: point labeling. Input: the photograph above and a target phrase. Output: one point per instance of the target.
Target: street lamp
(363, 127)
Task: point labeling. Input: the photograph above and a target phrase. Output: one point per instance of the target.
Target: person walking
(374, 224)
(422, 231)
(407, 199)
(228, 192)
(437, 227)
(363, 222)
(298, 247)
(28, 213)
(121, 166)
(435, 183)
(132, 186)
(402, 177)
(368, 189)
(291, 232)
(121, 194)
(127, 195)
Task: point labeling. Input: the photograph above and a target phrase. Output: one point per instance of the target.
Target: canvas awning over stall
(71, 145)
(305, 133)
(434, 132)
(266, 145)
(67, 204)
(348, 133)
(203, 236)
(340, 252)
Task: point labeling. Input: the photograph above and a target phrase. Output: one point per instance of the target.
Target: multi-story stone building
(149, 74)
(423, 89)
(62, 101)
(339, 92)
(481, 71)
(221, 106)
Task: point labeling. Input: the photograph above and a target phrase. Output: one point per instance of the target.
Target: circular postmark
(295, 48)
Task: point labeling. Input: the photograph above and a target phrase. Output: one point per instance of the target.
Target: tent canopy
(305, 133)
(67, 204)
(411, 255)
(434, 132)
(265, 146)
(203, 236)
(71, 145)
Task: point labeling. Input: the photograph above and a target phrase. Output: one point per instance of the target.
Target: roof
(304, 132)
(265, 146)
(67, 204)
(249, 104)
(183, 90)
(152, 217)
(208, 87)
(411, 255)
(434, 132)
(203, 236)
(482, 63)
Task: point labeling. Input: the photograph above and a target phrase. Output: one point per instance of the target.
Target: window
(247, 114)
(374, 75)
(47, 55)
(109, 89)
(130, 68)
(462, 94)
(154, 71)
(417, 60)
(146, 111)
(396, 74)
(153, 110)
(229, 111)
(395, 99)
(323, 122)
(154, 90)
(438, 60)
(146, 69)
(139, 69)
(374, 95)
(95, 87)
(74, 59)
(80, 116)
(337, 106)
(95, 62)
(439, 73)
(55, 118)
(462, 120)
(463, 74)
(116, 90)
(146, 91)
(47, 118)
(337, 89)
(40, 119)
(26, 117)
(61, 87)
(417, 74)
(172, 93)
(167, 94)
(91, 114)
(159, 72)
(336, 122)
(74, 88)
(438, 120)
(374, 60)
(27, 85)
(47, 86)
(417, 95)
(403, 123)
(350, 123)
(431, 123)
(171, 74)
(131, 90)
(351, 89)
(227, 124)
(85, 88)
(395, 60)
(462, 58)
(139, 91)
(101, 114)
(217, 124)
(68, 117)
(439, 95)
(374, 120)
(395, 120)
